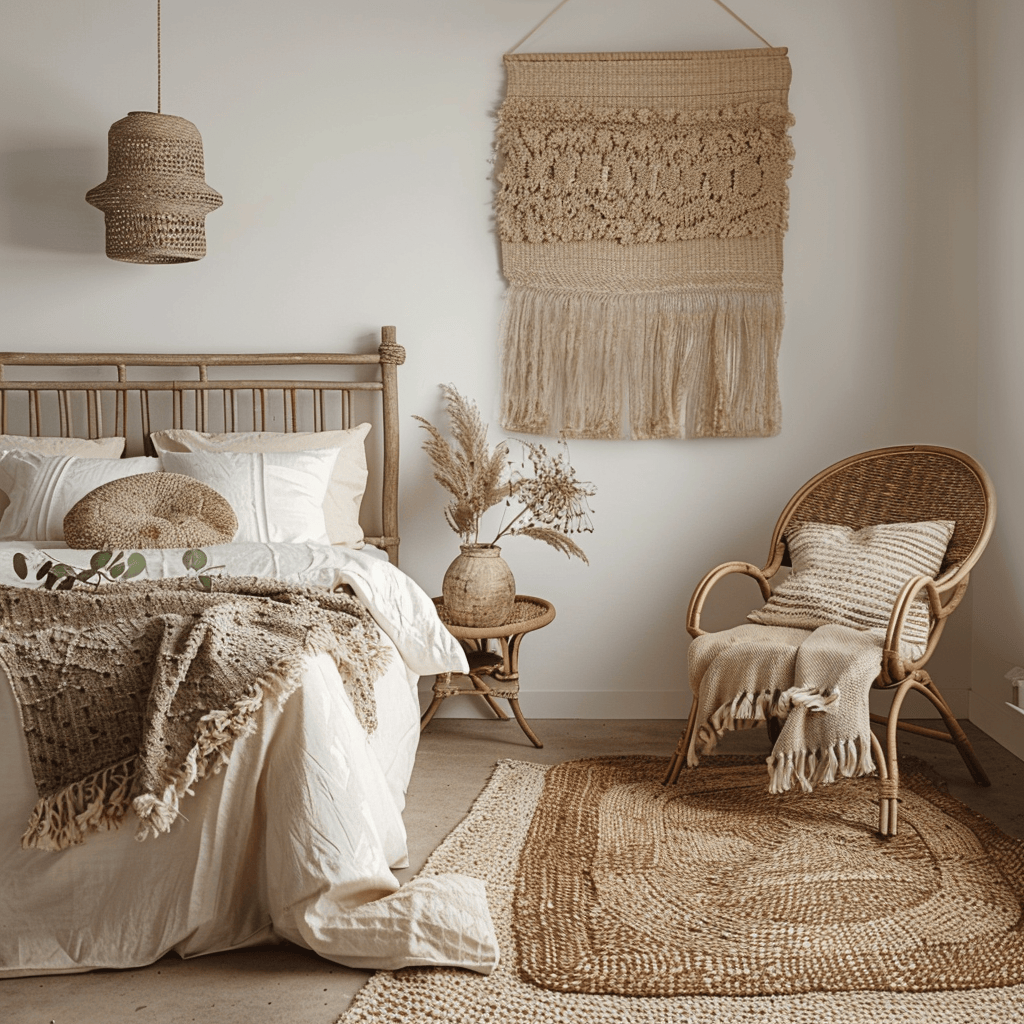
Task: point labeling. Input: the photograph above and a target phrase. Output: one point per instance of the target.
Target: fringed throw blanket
(641, 210)
(816, 681)
(130, 694)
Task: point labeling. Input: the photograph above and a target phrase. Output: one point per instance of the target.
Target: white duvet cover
(295, 839)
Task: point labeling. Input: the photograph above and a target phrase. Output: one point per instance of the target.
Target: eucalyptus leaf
(194, 559)
(206, 582)
(66, 584)
(136, 564)
(60, 570)
(116, 570)
(21, 565)
(100, 559)
(44, 569)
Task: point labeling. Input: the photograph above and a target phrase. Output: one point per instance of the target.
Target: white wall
(353, 146)
(999, 589)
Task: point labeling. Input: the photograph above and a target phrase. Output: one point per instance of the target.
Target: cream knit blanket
(816, 681)
(131, 693)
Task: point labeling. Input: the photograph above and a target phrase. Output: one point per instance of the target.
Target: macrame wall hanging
(641, 208)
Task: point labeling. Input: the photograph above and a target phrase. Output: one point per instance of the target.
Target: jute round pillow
(150, 510)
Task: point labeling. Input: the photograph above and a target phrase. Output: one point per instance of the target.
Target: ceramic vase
(478, 587)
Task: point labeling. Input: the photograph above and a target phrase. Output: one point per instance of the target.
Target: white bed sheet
(295, 839)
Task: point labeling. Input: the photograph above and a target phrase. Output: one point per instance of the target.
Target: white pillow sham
(852, 578)
(43, 489)
(277, 496)
(82, 447)
(348, 478)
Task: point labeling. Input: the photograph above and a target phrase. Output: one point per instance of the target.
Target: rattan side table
(501, 666)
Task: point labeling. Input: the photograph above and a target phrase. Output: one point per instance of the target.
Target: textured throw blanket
(816, 681)
(131, 693)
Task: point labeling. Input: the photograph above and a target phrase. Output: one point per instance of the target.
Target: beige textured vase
(478, 588)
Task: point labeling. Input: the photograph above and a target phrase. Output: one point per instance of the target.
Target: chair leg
(958, 736)
(678, 761)
(888, 793)
(888, 764)
(963, 745)
(523, 724)
(922, 683)
(429, 713)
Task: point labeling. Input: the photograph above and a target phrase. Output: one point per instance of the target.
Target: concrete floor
(284, 983)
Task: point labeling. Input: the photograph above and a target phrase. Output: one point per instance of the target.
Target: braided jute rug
(503, 824)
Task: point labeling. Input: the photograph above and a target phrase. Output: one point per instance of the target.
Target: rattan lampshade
(155, 199)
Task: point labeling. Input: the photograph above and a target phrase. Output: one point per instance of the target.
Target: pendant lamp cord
(158, 110)
(560, 5)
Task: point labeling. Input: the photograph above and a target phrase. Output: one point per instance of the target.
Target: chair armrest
(705, 585)
(894, 667)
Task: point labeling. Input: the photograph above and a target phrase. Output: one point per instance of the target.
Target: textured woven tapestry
(641, 210)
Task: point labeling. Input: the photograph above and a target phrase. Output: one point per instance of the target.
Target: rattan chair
(887, 485)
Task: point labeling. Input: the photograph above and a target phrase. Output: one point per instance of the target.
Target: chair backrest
(899, 485)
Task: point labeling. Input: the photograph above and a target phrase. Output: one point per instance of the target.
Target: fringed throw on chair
(816, 682)
(641, 210)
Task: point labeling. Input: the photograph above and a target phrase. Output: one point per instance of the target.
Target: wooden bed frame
(205, 400)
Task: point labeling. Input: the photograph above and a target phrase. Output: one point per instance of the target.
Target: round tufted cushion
(150, 510)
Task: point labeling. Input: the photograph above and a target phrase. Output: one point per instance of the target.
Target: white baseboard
(1004, 724)
(610, 704)
(640, 704)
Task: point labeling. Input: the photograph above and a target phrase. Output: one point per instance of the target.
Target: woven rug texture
(714, 887)
(488, 845)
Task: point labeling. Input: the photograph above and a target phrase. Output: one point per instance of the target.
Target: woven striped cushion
(852, 577)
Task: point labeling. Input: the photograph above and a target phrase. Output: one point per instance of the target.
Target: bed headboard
(92, 394)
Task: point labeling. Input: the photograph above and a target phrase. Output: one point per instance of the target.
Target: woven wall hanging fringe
(641, 210)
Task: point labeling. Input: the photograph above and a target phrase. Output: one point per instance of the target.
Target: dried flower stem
(554, 503)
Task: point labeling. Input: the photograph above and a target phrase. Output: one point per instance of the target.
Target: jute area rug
(582, 887)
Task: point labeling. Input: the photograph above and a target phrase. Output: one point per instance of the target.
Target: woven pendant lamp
(155, 198)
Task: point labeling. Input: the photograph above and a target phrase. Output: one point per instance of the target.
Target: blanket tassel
(63, 818)
(848, 758)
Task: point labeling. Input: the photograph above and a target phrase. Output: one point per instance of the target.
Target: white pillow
(348, 479)
(83, 447)
(44, 488)
(852, 577)
(277, 496)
